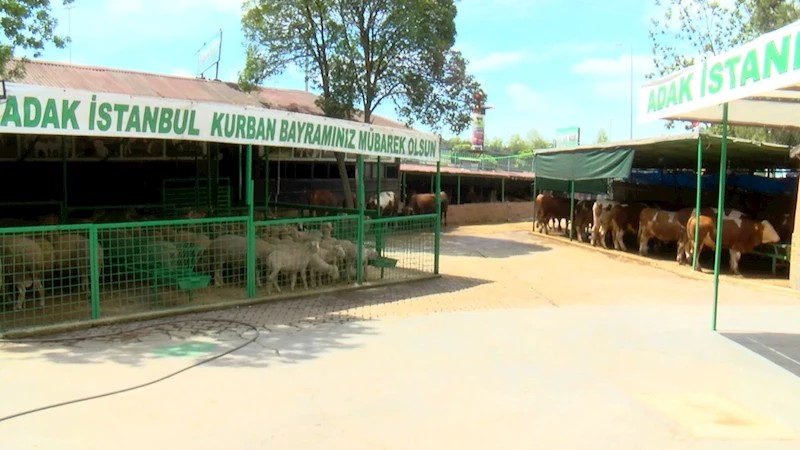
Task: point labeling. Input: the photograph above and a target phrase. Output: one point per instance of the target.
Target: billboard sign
(568, 137)
(477, 129)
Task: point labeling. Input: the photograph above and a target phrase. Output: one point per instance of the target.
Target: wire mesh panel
(399, 248)
(312, 253)
(45, 276)
(171, 264)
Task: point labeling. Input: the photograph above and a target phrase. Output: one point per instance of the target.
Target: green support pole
(360, 231)
(437, 231)
(533, 171)
(378, 186)
(239, 166)
(216, 180)
(94, 273)
(502, 190)
(63, 212)
(208, 177)
(378, 234)
(534, 204)
(251, 229)
(197, 178)
(458, 189)
(571, 207)
(723, 166)
(697, 199)
(403, 186)
(266, 182)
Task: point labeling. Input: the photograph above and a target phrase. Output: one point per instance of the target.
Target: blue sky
(545, 64)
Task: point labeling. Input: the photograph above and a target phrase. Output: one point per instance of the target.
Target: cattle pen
(190, 245)
(765, 93)
(663, 174)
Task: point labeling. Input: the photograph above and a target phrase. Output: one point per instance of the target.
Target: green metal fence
(70, 273)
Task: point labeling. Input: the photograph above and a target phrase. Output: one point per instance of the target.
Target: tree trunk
(348, 194)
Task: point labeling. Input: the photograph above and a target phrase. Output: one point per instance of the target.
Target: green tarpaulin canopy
(581, 186)
(576, 165)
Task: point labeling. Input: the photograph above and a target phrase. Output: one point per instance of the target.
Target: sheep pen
(143, 263)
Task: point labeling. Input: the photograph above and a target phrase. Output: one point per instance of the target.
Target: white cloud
(496, 61)
(524, 98)
(608, 67)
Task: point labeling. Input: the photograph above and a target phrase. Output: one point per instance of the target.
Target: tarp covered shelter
(757, 84)
(580, 170)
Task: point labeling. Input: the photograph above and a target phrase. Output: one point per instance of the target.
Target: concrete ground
(525, 342)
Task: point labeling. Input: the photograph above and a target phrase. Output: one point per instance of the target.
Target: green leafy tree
(361, 53)
(537, 141)
(28, 26)
(602, 136)
(518, 145)
(706, 28)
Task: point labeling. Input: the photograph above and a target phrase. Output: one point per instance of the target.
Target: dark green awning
(575, 165)
(598, 186)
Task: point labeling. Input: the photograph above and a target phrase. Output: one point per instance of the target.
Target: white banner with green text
(766, 64)
(50, 111)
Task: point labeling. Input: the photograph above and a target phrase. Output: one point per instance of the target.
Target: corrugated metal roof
(422, 168)
(117, 81)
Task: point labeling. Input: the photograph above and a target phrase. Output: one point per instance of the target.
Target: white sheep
(331, 257)
(290, 259)
(318, 267)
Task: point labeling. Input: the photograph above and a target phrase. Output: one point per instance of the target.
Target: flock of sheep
(29, 262)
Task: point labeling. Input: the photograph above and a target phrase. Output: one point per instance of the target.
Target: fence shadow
(292, 331)
(782, 349)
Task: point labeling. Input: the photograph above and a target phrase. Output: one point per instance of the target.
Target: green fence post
(360, 231)
(63, 212)
(403, 186)
(216, 181)
(94, 273)
(697, 198)
(458, 189)
(502, 190)
(723, 167)
(251, 229)
(437, 227)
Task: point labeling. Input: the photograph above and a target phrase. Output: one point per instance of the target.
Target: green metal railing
(510, 163)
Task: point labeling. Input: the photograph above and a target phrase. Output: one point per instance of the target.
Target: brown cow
(684, 214)
(426, 204)
(321, 197)
(662, 225)
(549, 208)
(601, 221)
(582, 219)
(624, 218)
(739, 236)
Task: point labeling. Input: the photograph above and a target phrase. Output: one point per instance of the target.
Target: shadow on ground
(484, 247)
(291, 331)
(782, 349)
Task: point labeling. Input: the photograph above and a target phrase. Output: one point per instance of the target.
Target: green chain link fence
(71, 273)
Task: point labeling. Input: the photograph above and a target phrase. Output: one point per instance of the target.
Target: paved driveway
(524, 343)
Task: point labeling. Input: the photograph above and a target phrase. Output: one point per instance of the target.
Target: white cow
(388, 202)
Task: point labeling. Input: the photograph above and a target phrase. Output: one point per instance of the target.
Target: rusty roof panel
(116, 81)
(423, 168)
